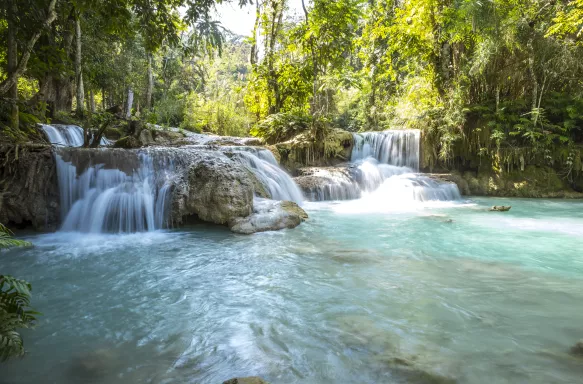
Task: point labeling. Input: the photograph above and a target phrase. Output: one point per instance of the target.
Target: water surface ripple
(432, 294)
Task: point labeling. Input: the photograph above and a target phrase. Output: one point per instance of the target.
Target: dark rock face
(303, 151)
(246, 380)
(29, 191)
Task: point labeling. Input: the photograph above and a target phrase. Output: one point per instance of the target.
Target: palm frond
(7, 241)
(15, 313)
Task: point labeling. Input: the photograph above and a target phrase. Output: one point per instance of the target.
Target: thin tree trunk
(79, 69)
(532, 75)
(254, 56)
(103, 99)
(12, 64)
(12, 78)
(150, 87)
(497, 98)
(91, 101)
(315, 101)
(130, 102)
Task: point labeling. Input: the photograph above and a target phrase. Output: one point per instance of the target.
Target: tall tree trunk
(130, 102)
(150, 87)
(13, 63)
(315, 100)
(532, 76)
(79, 69)
(13, 76)
(91, 101)
(277, 17)
(254, 56)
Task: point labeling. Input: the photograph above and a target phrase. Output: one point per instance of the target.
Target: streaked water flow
(443, 293)
(384, 170)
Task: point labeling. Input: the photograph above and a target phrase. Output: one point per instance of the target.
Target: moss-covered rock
(29, 189)
(532, 182)
(127, 142)
(305, 151)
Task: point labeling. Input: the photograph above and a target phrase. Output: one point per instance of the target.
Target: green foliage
(282, 126)
(568, 21)
(219, 115)
(15, 314)
(15, 311)
(6, 239)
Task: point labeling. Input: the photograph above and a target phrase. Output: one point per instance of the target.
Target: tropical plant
(6, 239)
(15, 310)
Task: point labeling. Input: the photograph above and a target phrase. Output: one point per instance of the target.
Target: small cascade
(394, 147)
(332, 183)
(263, 164)
(66, 135)
(383, 170)
(115, 191)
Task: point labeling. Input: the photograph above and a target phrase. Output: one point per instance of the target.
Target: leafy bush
(170, 111)
(282, 126)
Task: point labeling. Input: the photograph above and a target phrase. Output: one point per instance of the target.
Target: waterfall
(394, 147)
(116, 191)
(383, 168)
(124, 191)
(66, 135)
(263, 164)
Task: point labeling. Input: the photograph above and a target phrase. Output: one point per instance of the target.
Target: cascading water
(394, 147)
(387, 163)
(263, 164)
(384, 167)
(66, 135)
(117, 191)
(114, 190)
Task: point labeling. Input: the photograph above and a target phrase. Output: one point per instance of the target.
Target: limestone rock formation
(269, 215)
(533, 181)
(215, 188)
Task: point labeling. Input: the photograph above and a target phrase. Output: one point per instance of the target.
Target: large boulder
(216, 189)
(269, 215)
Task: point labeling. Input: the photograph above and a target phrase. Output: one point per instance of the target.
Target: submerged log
(246, 380)
(577, 349)
(500, 208)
